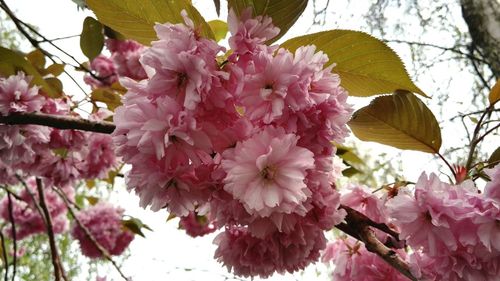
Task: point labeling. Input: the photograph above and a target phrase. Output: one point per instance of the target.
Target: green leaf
(283, 12)
(366, 65)
(495, 157)
(135, 19)
(400, 120)
(20, 63)
(92, 200)
(494, 95)
(135, 225)
(91, 38)
(108, 96)
(219, 28)
(37, 59)
(55, 69)
(56, 84)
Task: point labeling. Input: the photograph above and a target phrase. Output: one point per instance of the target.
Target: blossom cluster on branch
(245, 140)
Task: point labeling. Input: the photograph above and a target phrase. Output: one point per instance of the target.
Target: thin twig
(89, 235)
(11, 192)
(4, 256)
(475, 136)
(58, 121)
(58, 270)
(447, 164)
(14, 235)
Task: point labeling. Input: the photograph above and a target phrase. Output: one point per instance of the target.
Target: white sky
(166, 252)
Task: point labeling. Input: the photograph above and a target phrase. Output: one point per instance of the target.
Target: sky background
(168, 253)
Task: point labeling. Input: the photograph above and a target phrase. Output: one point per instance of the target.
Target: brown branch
(58, 121)
(4, 256)
(358, 226)
(89, 235)
(56, 262)
(373, 245)
(14, 235)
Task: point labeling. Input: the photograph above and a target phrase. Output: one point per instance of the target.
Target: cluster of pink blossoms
(454, 230)
(104, 222)
(61, 156)
(25, 215)
(245, 141)
(123, 62)
(196, 225)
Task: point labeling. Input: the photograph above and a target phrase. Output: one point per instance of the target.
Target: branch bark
(56, 262)
(358, 226)
(58, 121)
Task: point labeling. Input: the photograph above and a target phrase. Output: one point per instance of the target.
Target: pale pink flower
(104, 72)
(247, 256)
(266, 173)
(7, 174)
(266, 86)
(104, 223)
(125, 55)
(21, 144)
(492, 188)
(249, 34)
(353, 262)
(362, 199)
(16, 95)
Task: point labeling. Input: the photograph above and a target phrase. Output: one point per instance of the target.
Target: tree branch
(56, 262)
(89, 235)
(58, 121)
(358, 226)
(4, 256)
(14, 235)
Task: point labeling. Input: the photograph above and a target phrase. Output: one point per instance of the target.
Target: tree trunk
(483, 19)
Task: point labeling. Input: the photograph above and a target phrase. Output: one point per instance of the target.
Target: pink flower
(248, 33)
(247, 256)
(182, 64)
(266, 86)
(353, 262)
(101, 157)
(104, 70)
(104, 224)
(196, 225)
(266, 173)
(16, 95)
(492, 189)
(125, 56)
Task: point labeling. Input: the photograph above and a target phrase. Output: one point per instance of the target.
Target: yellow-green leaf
(55, 84)
(7, 69)
(108, 96)
(20, 63)
(55, 69)
(135, 19)
(135, 225)
(283, 12)
(37, 59)
(400, 120)
(495, 93)
(92, 200)
(366, 65)
(91, 38)
(495, 157)
(90, 183)
(219, 28)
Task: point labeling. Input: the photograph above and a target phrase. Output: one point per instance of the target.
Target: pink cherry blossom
(196, 225)
(353, 262)
(249, 33)
(492, 189)
(266, 173)
(125, 55)
(16, 95)
(104, 72)
(104, 224)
